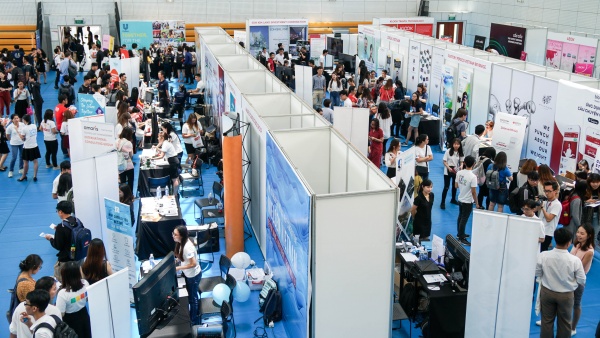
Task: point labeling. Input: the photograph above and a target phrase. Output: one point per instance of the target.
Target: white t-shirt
(189, 252)
(118, 130)
(466, 180)
(200, 86)
(64, 128)
(279, 58)
(55, 184)
(30, 133)
(347, 103)
(168, 149)
(72, 301)
(542, 233)
(385, 125)
(20, 329)
(176, 143)
(13, 134)
(421, 152)
(554, 208)
(44, 332)
(47, 128)
(452, 161)
(186, 130)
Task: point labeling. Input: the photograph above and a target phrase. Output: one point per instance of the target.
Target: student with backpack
(479, 170)
(21, 328)
(70, 238)
(466, 182)
(453, 159)
(496, 178)
(43, 324)
(457, 128)
(572, 207)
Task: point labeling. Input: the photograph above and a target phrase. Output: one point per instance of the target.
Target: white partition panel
(338, 163)
(250, 81)
(216, 38)
(223, 48)
(99, 309)
(338, 292)
(558, 75)
(237, 62)
(535, 44)
(295, 121)
(353, 124)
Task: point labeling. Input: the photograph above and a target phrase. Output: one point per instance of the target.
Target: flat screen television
(156, 296)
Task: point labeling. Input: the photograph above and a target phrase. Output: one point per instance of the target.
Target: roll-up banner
(368, 46)
(509, 132)
(508, 40)
(541, 129)
(405, 179)
(447, 90)
(464, 88)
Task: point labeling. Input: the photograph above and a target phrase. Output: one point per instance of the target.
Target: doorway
(450, 31)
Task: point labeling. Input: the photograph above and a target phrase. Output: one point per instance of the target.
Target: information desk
(156, 170)
(155, 232)
(429, 126)
(447, 306)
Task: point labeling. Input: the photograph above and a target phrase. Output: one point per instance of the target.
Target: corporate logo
(547, 99)
(125, 26)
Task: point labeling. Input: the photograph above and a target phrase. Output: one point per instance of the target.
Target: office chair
(207, 284)
(207, 306)
(162, 182)
(202, 203)
(204, 244)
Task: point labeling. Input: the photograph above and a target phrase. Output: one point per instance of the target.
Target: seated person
(197, 92)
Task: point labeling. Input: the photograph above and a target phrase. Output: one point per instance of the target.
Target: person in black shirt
(100, 56)
(179, 100)
(85, 87)
(163, 91)
(92, 72)
(34, 89)
(28, 68)
(90, 38)
(5, 91)
(61, 240)
(421, 210)
(17, 56)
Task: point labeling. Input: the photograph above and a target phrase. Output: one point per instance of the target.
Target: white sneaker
(10, 174)
(574, 332)
(20, 171)
(48, 166)
(538, 322)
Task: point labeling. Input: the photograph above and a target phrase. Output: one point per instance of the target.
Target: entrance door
(451, 31)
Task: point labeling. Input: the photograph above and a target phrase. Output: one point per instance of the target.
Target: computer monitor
(348, 61)
(149, 96)
(457, 260)
(156, 296)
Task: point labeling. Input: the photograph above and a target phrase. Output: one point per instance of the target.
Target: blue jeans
(191, 285)
(14, 150)
(335, 98)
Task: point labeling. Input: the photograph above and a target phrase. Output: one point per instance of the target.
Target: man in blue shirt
(17, 56)
(163, 91)
(187, 64)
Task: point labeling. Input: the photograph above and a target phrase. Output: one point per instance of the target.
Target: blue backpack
(80, 239)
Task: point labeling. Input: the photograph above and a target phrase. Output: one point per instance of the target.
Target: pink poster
(586, 69)
(586, 54)
(569, 56)
(553, 53)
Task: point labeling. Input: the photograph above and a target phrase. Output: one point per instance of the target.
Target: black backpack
(272, 307)
(14, 300)
(66, 91)
(80, 239)
(61, 330)
(408, 299)
(451, 134)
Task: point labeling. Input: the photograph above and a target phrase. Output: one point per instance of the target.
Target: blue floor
(27, 208)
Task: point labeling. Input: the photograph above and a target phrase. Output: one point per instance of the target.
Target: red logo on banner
(114, 76)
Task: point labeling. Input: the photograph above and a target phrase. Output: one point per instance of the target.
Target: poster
(435, 85)
(479, 42)
(368, 46)
(425, 59)
(139, 32)
(144, 33)
(553, 53)
(464, 88)
(507, 40)
(569, 56)
(541, 129)
(168, 33)
(509, 131)
(214, 84)
(520, 98)
(108, 42)
(88, 106)
(385, 57)
(119, 240)
(405, 178)
(288, 239)
(269, 33)
(420, 25)
(499, 91)
(98, 137)
(414, 65)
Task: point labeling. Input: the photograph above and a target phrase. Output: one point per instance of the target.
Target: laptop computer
(427, 267)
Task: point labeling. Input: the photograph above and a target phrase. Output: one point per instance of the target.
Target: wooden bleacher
(22, 35)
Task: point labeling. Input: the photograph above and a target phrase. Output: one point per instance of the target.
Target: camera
(539, 200)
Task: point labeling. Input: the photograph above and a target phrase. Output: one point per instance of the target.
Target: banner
(420, 25)
(108, 42)
(288, 239)
(509, 131)
(214, 83)
(435, 85)
(139, 32)
(508, 40)
(571, 53)
(368, 46)
(447, 83)
(464, 88)
(500, 91)
(119, 240)
(541, 129)
(269, 33)
(405, 178)
(163, 32)
(414, 63)
(87, 105)
(479, 42)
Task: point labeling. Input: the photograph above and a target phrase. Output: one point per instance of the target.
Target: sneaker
(465, 242)
(454, 202)
(538, 322)
(443, 206)
(10, 174)
(20, 171)
(574, 332)
(56, 168)
(48, 166)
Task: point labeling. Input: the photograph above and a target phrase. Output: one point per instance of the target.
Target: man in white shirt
(65, 167)
(472, 142)
(560, 274)
(197, 92)
(279, 57)
(35, 316)
(346, 102)
(550, 212)
(529, 208)
(466, 182)
(385, 75)
(322, 58)
(17, 328)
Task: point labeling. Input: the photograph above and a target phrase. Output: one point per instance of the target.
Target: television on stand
(156, 297)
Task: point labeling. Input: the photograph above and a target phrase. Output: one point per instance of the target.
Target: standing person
(421, 210)
(486, 159)
(375, 142)
(59, 111)
(391, 156)
(3, 147)
(187, 64)
(453, 159)
(334, 88)
(590, 214)
(561, 273)
(125, 149)
(31, 152)
(58, 57)
(191, 133)
(424, 156)
(386, 93)
(49, 128)
(528, 210)
(318, 84)
(71, 300)
(466, 182)
(178, 106)
(34, 89)
(40, 63)
(185, 253)
(163, 91)
(22, 97)
(499, 196)
(528, 166)
(459, 123)
(529, 190)
(61, 240)
(327, 112)
(43, 324)
(583, 248)
(13, 132)
(385, 120)
(20, 329)
(472, 143)
(5, 89)
(576, 206)
(176, 141)
(126, 197)
(166, 150)
(64, 131)
(550, 212)
(345, 100)
(415, 117)
(30, 266)
(96, 266)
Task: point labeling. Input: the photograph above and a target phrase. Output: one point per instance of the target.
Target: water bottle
(220, 207)
(167, 190)
(151, 260)
(210, 197)
(158, 193)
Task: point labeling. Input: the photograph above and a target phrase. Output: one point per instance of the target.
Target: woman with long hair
(71, 300)
(577, 197)
(13, 133)
(528, 166)
(385, 120)
(584, 166)
(3, 147)
(65, 184)
(96, 266)
(48, 126)
(545, 174)
(126, 197)
(452, 162)
(175, 140)
(133, 98)
(583, 248)
(40, 59)
(165, 149)
(365, 98)
(22, 98)
(499, 196)
(185, 252)
(375, 142)
(415, 117)
(334, 88)
(191, 133)
(31, 265)
(386, 93)
(31, 151)
(122, 123)
(64, 130)
(390, 158)
(424, 155)
(124, 146)
(421, 210)
(590, 214)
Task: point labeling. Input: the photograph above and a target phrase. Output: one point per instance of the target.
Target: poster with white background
(435, 85)
(500, 90)
(521, 92)
(405, 179)
(414, 65)
(464, 88)
(509, 132)
(425, 60)
(541, 129)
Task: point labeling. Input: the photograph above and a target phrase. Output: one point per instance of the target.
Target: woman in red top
(386, 93)
(375, 142)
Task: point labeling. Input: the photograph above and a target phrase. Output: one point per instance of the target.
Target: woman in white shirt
(391, 156)
(21, 96)
(64, 130)
(165, 149)
(452, 160)
(72, 299)
(385, 121)
(175, 140)
(31, 152)
(64, 186)
(424, 155)
(57, 59)
(191, 133)
(49, 128)
(334, 88)
(185, 252)
(16, 143)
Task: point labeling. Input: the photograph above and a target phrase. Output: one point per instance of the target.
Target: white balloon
(240, 260)
(221, 293)
(241, 292)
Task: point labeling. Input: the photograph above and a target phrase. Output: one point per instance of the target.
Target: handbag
(29, 111)
(423, 170)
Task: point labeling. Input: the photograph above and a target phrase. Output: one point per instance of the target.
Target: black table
(156, 237)
(144, 174)
(179, 326)
(426, 126)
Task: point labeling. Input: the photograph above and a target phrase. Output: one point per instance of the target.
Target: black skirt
(31, 154)
(173, 167)
(80, 322)
(391, 172)
(4, 147)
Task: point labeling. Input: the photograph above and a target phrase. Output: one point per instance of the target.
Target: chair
(218, 330)
(207, 306)
(207, 284)
(155, 182)
(212, 213)
(201, 203)
(205, 244)
(188, 178)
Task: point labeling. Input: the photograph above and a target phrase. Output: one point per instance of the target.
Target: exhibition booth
(519, 41)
